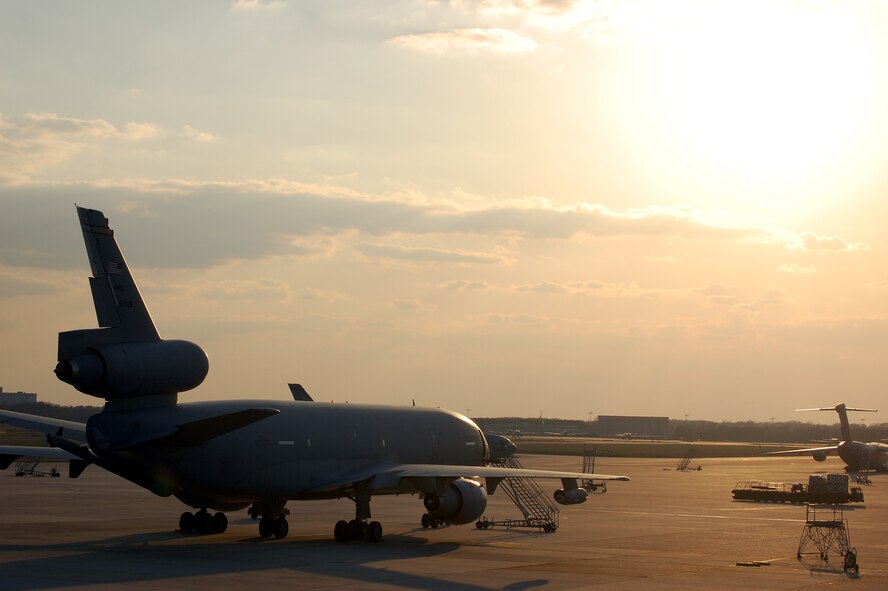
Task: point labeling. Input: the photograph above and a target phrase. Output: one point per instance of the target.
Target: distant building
(611, 426)
(16, 398)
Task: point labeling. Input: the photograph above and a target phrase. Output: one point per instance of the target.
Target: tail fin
(115, 294)
(843, 417)
(125, 357)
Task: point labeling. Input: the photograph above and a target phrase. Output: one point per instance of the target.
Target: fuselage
(863, 456)
(306, 451)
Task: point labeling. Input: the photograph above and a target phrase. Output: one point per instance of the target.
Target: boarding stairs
(534, 504)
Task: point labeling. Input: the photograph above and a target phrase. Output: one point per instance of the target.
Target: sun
(771, 94)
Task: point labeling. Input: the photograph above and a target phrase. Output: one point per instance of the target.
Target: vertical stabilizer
(115, 294)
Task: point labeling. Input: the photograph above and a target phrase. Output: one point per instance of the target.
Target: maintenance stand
(826, 533)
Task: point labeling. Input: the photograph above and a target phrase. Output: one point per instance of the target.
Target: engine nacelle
(819, 456)
(573, 496)
(464, 501)
(126, 370)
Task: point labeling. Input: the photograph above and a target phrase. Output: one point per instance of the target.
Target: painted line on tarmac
(700, 515)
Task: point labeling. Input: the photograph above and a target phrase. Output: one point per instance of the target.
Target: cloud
(810, 241)
(198, 221)
(467, 40)
(15, 283)
(256, 5)
(254, 289)
(775, 296)
(42, 140)
(198, 136)
(544, 287)
(796, 268)
(425, 255)
(465, 285)
(414, 305)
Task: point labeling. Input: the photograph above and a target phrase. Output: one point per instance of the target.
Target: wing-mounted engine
(819, 456)
(572, 496)
(126, 357)
(463, 501)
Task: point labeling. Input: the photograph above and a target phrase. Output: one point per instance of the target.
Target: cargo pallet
(830, 489)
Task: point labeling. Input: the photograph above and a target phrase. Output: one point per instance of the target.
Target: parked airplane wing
(10, 453)
(389, 476)
(829, 450)
(73, 430)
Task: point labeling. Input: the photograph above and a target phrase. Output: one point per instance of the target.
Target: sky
(501, 207)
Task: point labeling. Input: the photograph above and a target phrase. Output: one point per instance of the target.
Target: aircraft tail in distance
(843, 416)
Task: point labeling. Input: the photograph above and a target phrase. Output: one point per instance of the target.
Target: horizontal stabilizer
(10, 453)
(197, 432)
(73, 430)
(833, 409)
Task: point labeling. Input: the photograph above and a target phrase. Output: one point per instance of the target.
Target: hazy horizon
(513, 207)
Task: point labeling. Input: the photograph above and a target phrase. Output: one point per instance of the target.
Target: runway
(664, 530)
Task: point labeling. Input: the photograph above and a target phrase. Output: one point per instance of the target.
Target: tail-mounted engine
(463, 501)
(126, 370)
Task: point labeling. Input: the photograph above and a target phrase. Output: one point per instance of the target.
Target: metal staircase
(534, 504)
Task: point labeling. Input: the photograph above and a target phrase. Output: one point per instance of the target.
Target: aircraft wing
(72, 430)
(385, 476)
(10, 453)
(828, 450)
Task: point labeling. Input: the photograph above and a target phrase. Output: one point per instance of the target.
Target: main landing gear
(202, 522)
(273, 520)
(429, 520)
(359, 529)
(354, 530)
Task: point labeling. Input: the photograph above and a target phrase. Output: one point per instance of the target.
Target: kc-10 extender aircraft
(228, 455)
(857, 455)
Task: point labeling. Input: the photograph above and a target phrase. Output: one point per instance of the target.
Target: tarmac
(664, 530)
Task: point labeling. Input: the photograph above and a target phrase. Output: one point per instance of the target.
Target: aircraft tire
(203, 522)
(220, 523)
(375, 531)
(340, 531)
(281, 528)
(266, 527)
(433, 522)
(186, 522)
(425, 520)
(479, 524)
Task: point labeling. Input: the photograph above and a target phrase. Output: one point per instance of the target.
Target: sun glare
(772, 94)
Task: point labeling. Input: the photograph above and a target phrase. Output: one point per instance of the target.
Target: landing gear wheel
(433, 522)
(479, 524)
(375, 531)
(281, 528)
(425, 520)
(220, 523)
(266, 527)
(186, 522)
(340, 531)
(203, 522)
